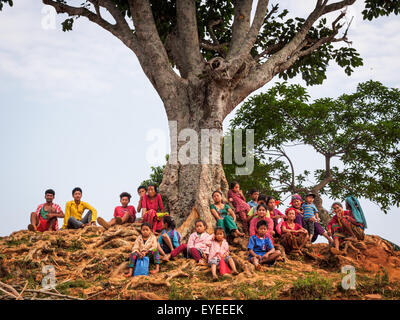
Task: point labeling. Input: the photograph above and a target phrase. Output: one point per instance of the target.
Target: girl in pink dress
(238, 200)
(219, 250)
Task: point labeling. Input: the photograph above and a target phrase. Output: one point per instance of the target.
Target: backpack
(358, 213)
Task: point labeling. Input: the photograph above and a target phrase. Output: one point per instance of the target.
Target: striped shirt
(309, 210)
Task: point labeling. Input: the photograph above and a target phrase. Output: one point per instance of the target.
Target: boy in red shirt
(45, 216)
(122, 214)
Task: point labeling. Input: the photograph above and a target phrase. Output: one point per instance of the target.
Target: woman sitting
(294, 236)
(344, 226)
(224, 215)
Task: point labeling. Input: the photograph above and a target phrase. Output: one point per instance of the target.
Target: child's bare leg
(130, 273)
(167, 241)
(125, 218)
(337, 243)
(156, 270)
(112, 222)
(272, 257)
(326, 235)
(52, 223)
(34, 222)
(256, 262)
(214, 271)
(233, 266)
(161, 252)
(237, 233)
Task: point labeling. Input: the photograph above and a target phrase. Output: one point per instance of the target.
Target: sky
(77, 110)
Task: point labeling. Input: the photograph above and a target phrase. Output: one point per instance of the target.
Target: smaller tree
(361, 130)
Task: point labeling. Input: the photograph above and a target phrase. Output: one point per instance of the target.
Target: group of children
(260, 218)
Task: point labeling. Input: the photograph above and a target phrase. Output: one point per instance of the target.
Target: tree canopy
(218, 24)
(361, 130)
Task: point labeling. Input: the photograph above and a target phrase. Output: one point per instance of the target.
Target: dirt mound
(89, 264)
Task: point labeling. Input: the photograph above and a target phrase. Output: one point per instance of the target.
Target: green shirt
(222, 212)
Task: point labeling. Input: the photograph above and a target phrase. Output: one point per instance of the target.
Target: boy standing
(310, 214)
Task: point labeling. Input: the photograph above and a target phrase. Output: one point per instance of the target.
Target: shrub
(311, 287)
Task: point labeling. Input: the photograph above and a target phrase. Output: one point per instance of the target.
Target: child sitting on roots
(261, 249)
(122, 214)
(238, 200)
(169, 238)
(198, 246)
(219, 249)
(261, 214)
(152, 205)
(145, 246)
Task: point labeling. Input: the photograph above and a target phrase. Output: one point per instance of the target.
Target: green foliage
(178, 291)
(257, 290)
(79, 283)
(9, 2)
(156, 175)
(311, 287)
(17, 242)
(278, 30)
(75, 245)
(377, 285)
(361, 129)
(377, 8)
(67, 24)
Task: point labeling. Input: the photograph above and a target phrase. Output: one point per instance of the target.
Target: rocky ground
(90, 263)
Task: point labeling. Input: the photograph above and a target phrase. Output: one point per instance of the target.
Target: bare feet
(238, 233)
(280, 259)
(202, 262)
(166, 257)
(154, 271)
(129, 274)
(215, 278)
(235, 272)
(103, 223)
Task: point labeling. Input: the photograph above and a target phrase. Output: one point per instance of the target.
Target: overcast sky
(77, 110)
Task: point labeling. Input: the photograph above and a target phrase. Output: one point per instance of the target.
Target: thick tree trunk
(323, 213)
(189, 186)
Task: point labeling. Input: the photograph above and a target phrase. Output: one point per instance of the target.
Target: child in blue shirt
(261, 249)
(169, 238)
(310, 214)
(254, 198)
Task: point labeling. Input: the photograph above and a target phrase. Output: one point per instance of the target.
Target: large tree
(357, 137)
(221, 55)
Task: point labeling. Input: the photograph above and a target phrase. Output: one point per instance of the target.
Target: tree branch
(154, 58)
(187, 33)
(236, 61)
(260, 75)
(240, 26)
